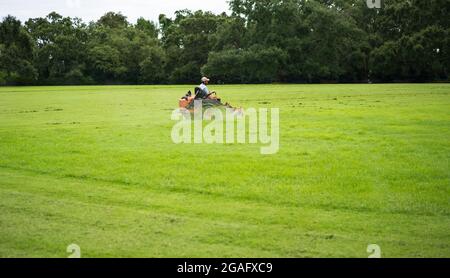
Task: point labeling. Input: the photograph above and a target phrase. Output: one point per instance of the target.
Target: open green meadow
(96, 166)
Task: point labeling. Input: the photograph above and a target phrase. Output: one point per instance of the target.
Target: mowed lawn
(96, 166)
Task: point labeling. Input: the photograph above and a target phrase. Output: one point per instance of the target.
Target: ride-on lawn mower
(208, 100)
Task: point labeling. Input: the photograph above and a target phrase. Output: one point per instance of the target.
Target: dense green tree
(320, 40)
(260, 41)
(16, 53)
(60, 44)
(113, 20)
(256, 65)
(411, 41)
(148, 27)
(122, 53)
(187, 40)
(230, 34)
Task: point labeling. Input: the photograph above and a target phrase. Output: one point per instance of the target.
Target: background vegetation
(260, 41)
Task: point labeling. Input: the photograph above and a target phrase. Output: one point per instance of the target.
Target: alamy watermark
(228, 126)
(374, 250)
(74, 250)
(374, 4)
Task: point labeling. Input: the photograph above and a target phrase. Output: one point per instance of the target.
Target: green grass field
(96, 166)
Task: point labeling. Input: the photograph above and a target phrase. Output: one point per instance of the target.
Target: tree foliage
(16, 53)
(260, 41)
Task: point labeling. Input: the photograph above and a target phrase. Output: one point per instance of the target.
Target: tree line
(260, 41)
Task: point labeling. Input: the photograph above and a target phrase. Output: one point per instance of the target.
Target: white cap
(205, 79)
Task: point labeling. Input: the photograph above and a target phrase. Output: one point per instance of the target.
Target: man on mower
(203, 86)
(202, 92)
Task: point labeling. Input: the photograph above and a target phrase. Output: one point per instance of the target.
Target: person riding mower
(209, 99)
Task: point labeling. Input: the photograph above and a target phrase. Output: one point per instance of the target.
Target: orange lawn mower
(208, 100)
